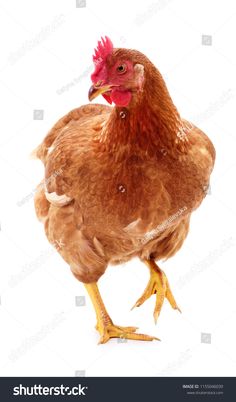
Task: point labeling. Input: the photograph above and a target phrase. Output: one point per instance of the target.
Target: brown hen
(122, 181)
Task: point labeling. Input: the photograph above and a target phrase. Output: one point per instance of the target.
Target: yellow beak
(95, 91)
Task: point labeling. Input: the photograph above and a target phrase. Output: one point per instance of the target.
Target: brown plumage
(122, 181)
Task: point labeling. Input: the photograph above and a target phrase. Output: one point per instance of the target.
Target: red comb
(104, 48)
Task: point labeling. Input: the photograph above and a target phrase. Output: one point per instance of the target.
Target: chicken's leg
(105, 325)
(158, 284)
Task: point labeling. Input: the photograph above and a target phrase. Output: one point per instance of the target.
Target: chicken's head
(118, 77)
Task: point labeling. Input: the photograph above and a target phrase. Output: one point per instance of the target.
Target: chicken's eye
(121, 68)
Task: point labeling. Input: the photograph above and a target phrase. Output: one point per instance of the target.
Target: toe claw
(156, 315)
(137, 304)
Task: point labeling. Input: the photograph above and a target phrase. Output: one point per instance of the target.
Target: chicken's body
(112, 193)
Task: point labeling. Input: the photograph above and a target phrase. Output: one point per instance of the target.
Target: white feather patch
(57, 200)
(50, 149)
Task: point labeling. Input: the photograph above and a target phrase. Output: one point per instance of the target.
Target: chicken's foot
(158, 284)
(105, 326)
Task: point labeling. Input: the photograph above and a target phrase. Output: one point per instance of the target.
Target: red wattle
(107, 98)
(121, 98)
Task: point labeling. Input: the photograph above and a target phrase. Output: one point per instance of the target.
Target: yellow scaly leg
(105, 326)
(158, 284)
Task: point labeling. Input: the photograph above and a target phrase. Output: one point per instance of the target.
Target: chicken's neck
(153, 124)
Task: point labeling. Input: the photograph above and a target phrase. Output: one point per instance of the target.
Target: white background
(45, 63)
